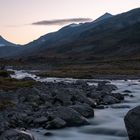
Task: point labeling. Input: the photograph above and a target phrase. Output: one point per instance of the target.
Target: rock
(70, 116)
(56, 124)
(30, 95)
(14, 134)
(100, 107)
(127, 91)
(55, 105)
(4, 125)
(84, 110)
(63, 97)
(41, 120)
(131, 96)
(126, 95)
(28, 79)
(132, 123)
(110, 100)
(96, 95)
(78, 96)
(108, 88)
(81, 83)
(118, 96)
(48, 134)
(120, 106)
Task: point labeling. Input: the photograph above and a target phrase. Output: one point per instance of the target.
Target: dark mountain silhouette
(108, 36)
(4, 42)
(7, 48)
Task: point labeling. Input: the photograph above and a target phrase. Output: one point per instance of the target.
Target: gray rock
(48, 134)
(110, 100)
(108, 88)
(14, 134)
(41, 120)
(28, 79)
(84, 110)
(70, 116)
(127, 91)
(63, 97)
(118, 96)
(132, 123)
(120, 106)
(56, 124)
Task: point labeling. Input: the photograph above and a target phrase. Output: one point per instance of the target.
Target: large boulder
(63, 97)
(70, 116)
(84, 109)
(132, 122)
(110, 100)
(56, 124)
(104, 86)
(40, 120)
(15, 134)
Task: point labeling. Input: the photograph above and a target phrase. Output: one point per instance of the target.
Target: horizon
(29, 21)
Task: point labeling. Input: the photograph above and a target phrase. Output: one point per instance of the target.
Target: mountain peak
(107, 14)
(104, 16)
(1, 37)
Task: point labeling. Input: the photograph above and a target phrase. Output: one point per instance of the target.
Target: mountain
(105, 16)
(68, 31)
(7, 48)
(4, 42)
(108, 36)
(66, 34)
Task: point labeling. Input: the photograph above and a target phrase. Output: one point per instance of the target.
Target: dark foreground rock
(70, 116)
(53, 105)
(132, 122)
(14, 134)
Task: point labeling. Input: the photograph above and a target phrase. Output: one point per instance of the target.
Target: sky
(22, 21)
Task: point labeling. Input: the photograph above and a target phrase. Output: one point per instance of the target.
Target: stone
(48, 134)
(84, 109)
(127, 91)
(56, 124)
(70, 116)
(41, 120)
(14, 134)
(132, 123)
(110, 100)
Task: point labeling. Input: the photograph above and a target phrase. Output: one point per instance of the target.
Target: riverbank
(54, 105)
(107, 124)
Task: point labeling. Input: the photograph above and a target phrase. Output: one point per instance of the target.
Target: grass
(84, 67)
(4, 73)
(11, 84)
(88, 72)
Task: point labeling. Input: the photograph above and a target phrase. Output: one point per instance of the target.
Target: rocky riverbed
(54, 103)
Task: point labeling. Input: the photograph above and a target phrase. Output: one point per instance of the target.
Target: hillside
(107, 45)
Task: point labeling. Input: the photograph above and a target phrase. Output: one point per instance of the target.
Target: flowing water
(108, 124)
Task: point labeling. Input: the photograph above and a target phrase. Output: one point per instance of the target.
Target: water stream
(107, 124)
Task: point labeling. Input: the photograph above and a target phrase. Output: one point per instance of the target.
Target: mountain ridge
(90, 36)
(98, 38)
(4, 42)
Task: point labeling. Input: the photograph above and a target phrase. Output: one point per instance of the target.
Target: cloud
(61, 21)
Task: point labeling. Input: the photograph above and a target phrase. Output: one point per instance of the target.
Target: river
(108, 124)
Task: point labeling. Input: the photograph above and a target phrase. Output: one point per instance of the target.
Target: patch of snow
(75, 25)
